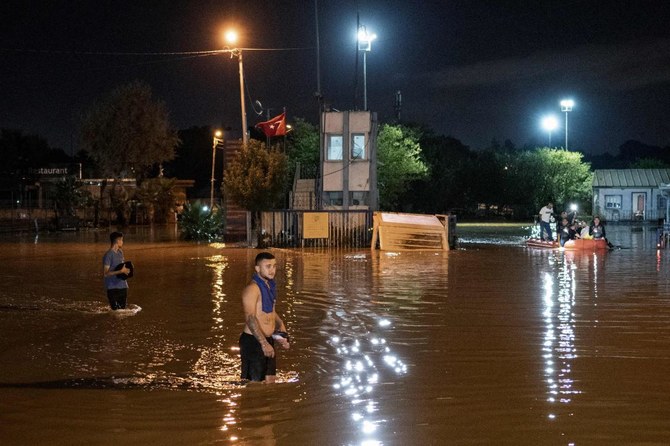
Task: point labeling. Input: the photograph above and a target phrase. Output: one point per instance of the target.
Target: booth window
(334, 198)
(357, 146)
(334, 149)
(359, 198)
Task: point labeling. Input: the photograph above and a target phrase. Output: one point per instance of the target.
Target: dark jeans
(117, 298)
(546, 227)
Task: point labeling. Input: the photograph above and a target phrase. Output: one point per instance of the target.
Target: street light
(216, 141)
(566, 106)
(549, 123)
(365, 45)
(231, 39)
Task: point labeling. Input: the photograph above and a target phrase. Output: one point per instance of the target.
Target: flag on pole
(274, 127)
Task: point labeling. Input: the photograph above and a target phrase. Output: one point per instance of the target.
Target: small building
(630, 194)
(348, 160)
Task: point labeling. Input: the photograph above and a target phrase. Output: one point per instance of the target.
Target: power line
(151, 53)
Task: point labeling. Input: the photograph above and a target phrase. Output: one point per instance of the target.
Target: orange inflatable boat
(571, 245)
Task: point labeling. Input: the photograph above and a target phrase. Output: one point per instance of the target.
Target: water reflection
(357, 333)
(365, 362)
(559, 347)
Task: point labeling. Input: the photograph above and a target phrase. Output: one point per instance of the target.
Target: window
(357, 146)
(334, 150)
(662, 202)
(359, 198)
(333, 198)
(612, 201)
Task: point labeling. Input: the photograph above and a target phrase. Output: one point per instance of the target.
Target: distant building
(630, 194)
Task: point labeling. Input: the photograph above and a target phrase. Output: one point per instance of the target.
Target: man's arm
(250, 297)
(107, 271)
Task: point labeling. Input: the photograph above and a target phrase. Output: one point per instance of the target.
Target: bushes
(198, 222)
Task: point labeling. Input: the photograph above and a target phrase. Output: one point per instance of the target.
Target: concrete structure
(348, 170)
(630, 194)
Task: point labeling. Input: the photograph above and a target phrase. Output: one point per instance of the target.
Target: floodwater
(492, 343)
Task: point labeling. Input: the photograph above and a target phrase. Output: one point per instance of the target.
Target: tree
(302, 147)
(68, 196)
(200, 223)
(398, 163)
(560, 176)
(128, 132)
(256, 180)
(156, 195)
(649, 163)
(444, 186)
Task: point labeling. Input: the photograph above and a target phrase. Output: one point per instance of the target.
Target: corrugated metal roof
(630, 177)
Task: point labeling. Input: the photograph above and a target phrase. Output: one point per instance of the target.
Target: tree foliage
(68, 196)
(445, 186)
(198, 222)
(257, 178)
(128, 132)
(399, 163)
(302, 147)
(156, 195)
(561, 176)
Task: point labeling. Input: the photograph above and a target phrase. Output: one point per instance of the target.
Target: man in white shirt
(545, 221)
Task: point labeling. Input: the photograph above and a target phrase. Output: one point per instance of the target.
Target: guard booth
(411, 232)
(348, 169)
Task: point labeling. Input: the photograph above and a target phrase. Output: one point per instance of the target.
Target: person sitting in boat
(584, 230)
(566, 231)
(596, 229)
(570, 216)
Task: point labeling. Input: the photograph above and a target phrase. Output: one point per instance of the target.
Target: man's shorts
(255, 365)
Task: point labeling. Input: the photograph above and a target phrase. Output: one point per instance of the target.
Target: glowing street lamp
(550, 123)
(218, 138)
(231, 39)
(566, 106)
(365, 45)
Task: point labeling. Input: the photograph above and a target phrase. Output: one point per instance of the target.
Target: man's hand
(283, 343)
(268, 350)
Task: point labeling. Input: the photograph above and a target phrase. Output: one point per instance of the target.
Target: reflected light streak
(364, 361)
(558, 348)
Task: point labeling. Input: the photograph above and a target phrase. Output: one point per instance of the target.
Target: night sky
(471, 69)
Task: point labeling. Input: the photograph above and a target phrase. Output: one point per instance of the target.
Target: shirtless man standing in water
(257, 341)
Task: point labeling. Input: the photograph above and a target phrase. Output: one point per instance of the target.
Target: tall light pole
(215, 141)
(566, 106)
(365, 45)
(231, 39)
(549, 123)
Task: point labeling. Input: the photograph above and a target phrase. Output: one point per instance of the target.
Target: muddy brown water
(492, 343)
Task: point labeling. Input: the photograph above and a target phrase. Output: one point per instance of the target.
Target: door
(639, 202)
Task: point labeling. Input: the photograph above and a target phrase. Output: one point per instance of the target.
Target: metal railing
(346, 229)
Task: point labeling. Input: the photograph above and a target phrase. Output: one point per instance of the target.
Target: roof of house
(630, 177)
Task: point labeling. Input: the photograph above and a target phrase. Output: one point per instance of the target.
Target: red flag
(274, 127)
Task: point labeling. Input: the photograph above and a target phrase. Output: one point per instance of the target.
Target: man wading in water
(263, 325)
(117, 288)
